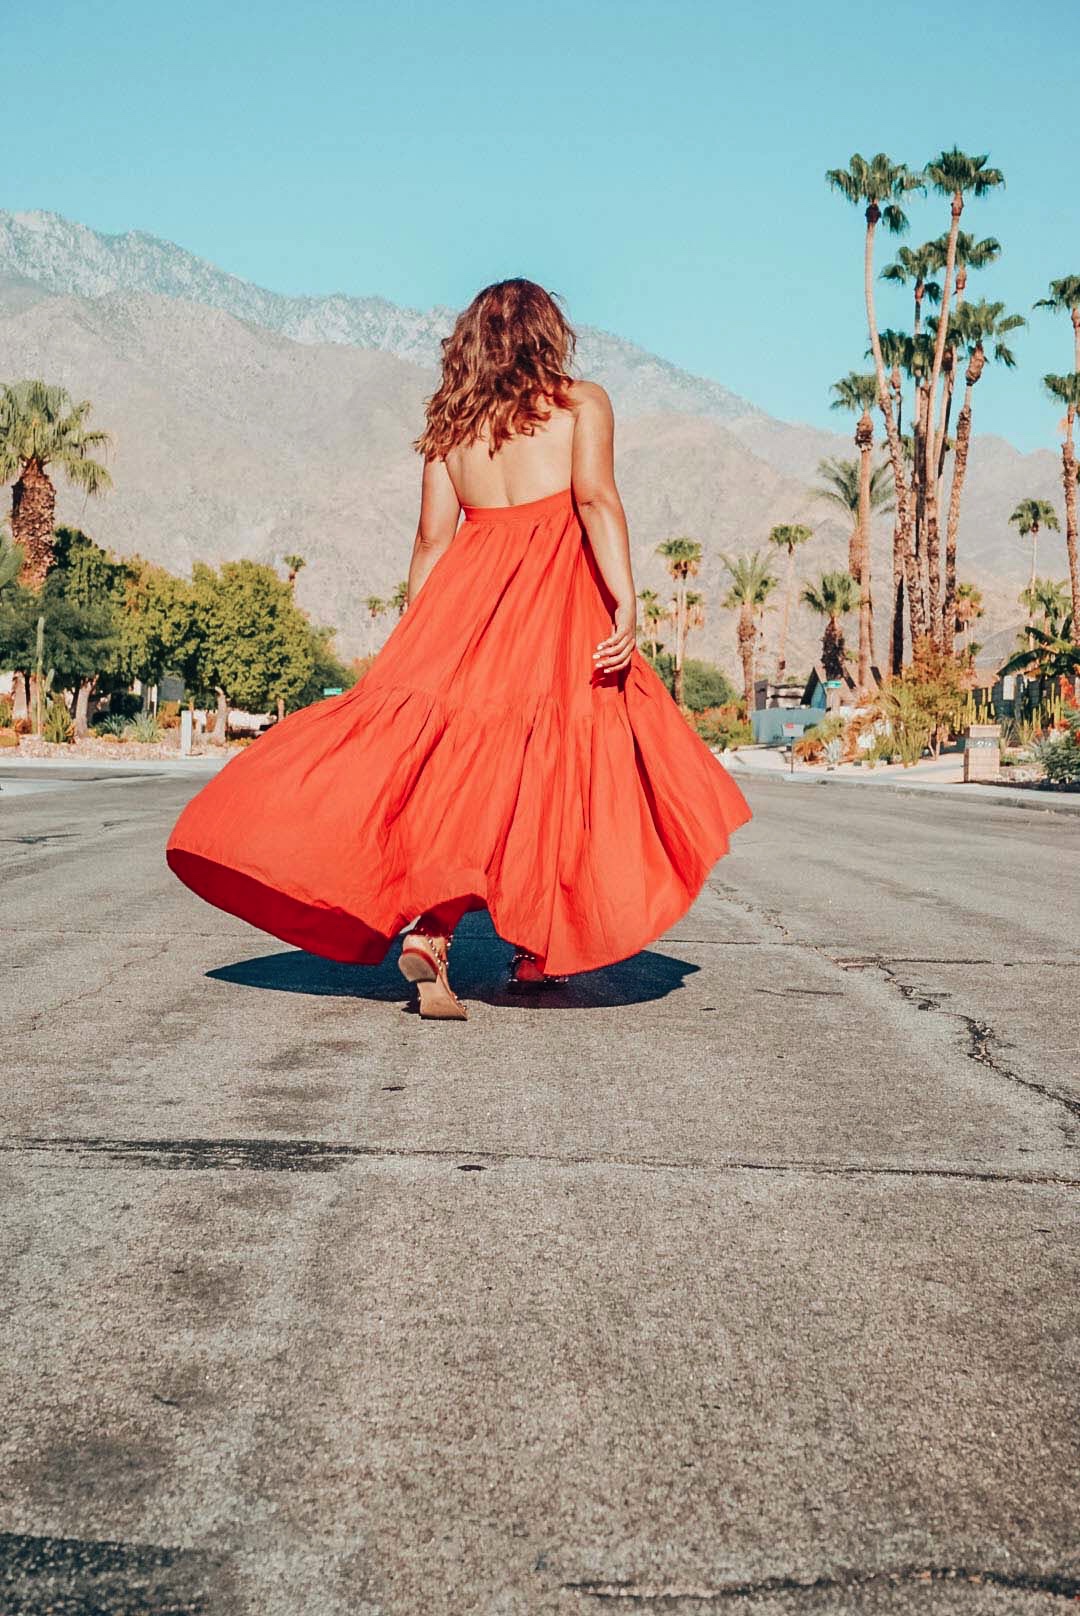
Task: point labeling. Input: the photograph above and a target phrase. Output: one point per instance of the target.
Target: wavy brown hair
(505, 368)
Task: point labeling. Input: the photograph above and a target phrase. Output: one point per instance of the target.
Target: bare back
(525, 468)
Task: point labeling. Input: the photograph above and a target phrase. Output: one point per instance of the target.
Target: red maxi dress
(480, 756)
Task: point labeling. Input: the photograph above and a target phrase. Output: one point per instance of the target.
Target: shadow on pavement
(480, 964)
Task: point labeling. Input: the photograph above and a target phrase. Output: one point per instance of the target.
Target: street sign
(833, 684)
(332, 690)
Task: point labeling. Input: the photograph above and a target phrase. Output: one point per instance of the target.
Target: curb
(995, 796)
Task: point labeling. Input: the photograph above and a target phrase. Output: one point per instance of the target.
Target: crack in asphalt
(324, 1156)
(982, 1043)
(1062, 1584)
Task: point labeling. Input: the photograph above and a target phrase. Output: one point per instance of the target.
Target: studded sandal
(525, 973)
(424, 961)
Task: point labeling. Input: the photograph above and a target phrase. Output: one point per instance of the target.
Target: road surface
(741, 1277)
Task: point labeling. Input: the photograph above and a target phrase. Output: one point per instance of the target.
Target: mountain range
(250, 423)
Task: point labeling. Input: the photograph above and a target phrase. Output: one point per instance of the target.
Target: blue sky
(661, 165)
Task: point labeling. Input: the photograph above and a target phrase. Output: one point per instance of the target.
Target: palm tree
(682, 557)
(788, 537)
(1065, 296)
(1051, 652)
(856, 393)
(953, 174)
(969, 608)
(751, 585)
(970, 254)
(294, 564)
(1047, 597)
(879, 186)
(975, 325)
(832, 597)
(1029, 516)
(400, 598)
(1066, 390)
(918, 265)
(39, 427)
(653, 613)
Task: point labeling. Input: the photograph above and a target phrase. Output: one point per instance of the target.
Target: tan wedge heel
(424, 962)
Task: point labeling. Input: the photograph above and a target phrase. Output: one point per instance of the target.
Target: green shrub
(704, 685)
(7, 712)
(723, 726)
(144, 728)
(113, 724)
(1059, 758)
(58, 727)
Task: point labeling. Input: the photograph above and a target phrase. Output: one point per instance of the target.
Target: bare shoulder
(589, 398)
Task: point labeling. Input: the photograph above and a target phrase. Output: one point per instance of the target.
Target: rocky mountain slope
(246, 423)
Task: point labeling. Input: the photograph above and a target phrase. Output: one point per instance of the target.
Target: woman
(509, 749)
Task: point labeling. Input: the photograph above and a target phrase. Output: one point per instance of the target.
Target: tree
(1066, 390)
(256, 645)
(969, 608)
(788, 537)
(832, 597)
(75, 641)
(1029, 516)
(752, 583)
(91, 580)
(160, 630)
(879, 186)
(400, 598)
(975, 325)
(41, 427)
(856, 393)
(653, 613)
(956, 175)
(1047, 597)
(918, 265)
(1051, 653)
(294, 564)
(682, 557)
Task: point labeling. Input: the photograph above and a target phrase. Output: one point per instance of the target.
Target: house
(830, 695)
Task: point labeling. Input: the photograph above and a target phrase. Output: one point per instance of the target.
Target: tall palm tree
(1066, 390)
(969, 254)
(653, 613)
(956, 175)
(752, 582)
(879, 186)
(833, 596)
(294, 565)
(856, 393)
(1029, 516)
(682, 557)
(788, 537)
(400, 598)
(975, 326)
(918, 265)
(1065, 297)
(41, 427)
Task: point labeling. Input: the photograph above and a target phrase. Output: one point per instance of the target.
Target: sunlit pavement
(739, 1277)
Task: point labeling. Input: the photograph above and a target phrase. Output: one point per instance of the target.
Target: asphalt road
(738, 1278)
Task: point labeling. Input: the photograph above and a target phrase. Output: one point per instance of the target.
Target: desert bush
(1059, 757)
(723, 726)
(7, 712)
(22, 726)
(144, 727)
(58, 726)
(810, 746)
(113, 726)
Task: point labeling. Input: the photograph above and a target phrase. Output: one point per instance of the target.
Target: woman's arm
(439, 512)
(593, 477)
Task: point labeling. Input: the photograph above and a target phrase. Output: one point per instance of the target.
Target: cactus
(58, 726)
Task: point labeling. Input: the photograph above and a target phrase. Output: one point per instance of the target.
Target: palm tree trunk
(33, 518)
(960, 459)
(747, 637)
(789, 590)
(1068, 477)
(892, 431)
(864, 442)
(933, 543)
(680, 641)
(896, 645)
(832, 649)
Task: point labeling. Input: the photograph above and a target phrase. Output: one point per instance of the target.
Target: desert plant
(1058, 756)
(58, 726)
(144, 727)
(114, 724)
(723, 726)
(811, 744)
(40, 426)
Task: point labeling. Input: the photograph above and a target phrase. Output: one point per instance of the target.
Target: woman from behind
(509, 749)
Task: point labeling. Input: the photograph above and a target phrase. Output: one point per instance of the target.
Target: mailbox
(982, 752)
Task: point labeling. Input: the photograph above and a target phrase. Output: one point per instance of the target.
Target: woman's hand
(613, 654)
